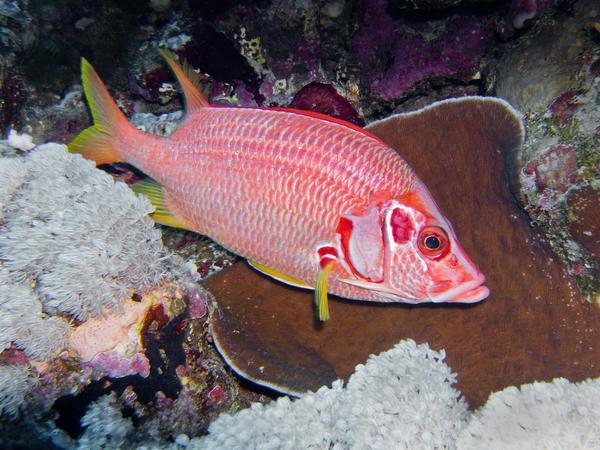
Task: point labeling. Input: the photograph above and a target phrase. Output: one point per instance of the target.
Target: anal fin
(155, 193)
(273, 273)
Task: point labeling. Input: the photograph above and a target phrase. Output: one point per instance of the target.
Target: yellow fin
(155, 194)
(99, 142)
(321, 301)
(278, 275)
(188, 80)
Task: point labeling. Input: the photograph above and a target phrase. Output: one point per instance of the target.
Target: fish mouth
(469, 292)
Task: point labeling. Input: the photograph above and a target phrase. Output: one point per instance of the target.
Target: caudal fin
(99, 142)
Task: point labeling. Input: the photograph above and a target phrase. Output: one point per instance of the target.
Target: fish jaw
(471, 292)
(383, 293)
(467, 292)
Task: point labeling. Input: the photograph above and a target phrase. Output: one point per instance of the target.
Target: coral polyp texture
(83, 241)
(105, 426)
(73, 245)
(15, 384)
(557, 415)
(402, 398)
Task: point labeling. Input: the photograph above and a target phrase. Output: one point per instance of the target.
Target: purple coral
(397, 55)
(118, 365)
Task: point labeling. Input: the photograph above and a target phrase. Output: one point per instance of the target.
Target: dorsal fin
(189, 82)
(327, 118)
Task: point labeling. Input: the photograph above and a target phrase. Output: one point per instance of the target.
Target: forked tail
(100, 142)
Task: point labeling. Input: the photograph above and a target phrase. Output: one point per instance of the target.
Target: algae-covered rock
(550, 73)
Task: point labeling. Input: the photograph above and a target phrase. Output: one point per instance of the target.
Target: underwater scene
(300, 224)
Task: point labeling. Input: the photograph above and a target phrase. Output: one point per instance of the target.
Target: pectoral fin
(321, 301)
(155, 194)
(273, 273)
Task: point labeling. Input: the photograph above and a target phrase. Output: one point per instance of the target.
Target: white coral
(83, 240)
(23, 324)
(72, 243)
(401, 398)
(15, 384)
(556, 415)
(106, 428)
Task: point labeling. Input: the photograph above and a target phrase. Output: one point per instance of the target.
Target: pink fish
(309, 200)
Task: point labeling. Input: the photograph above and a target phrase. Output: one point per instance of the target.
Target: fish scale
(329, 174)
(311, 200)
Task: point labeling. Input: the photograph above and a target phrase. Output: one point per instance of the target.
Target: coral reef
(15, 384)
(348, 59)
(84, 300)
(323, 98)
(584, 219)
(416, 53)
(16, 30)
(402, 398)
(105, 426)
(551, 333)
(560, 96)
(46, 239)
(65, 230)
(22, 321)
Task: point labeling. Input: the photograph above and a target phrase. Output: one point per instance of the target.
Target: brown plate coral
(532, 327)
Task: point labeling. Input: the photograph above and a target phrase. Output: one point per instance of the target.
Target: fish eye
(433, 242)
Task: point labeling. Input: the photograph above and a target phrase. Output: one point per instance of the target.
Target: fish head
(405, 250)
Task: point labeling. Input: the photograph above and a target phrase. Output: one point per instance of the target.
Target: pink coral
(100, 335)
(555, 168)
(114, 343)
(118, 364)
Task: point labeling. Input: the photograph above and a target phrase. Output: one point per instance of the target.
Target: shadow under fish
(533, 326)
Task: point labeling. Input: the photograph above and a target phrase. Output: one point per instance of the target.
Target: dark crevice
(163, 377)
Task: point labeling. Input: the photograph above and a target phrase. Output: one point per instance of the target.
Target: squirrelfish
(310, 200)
